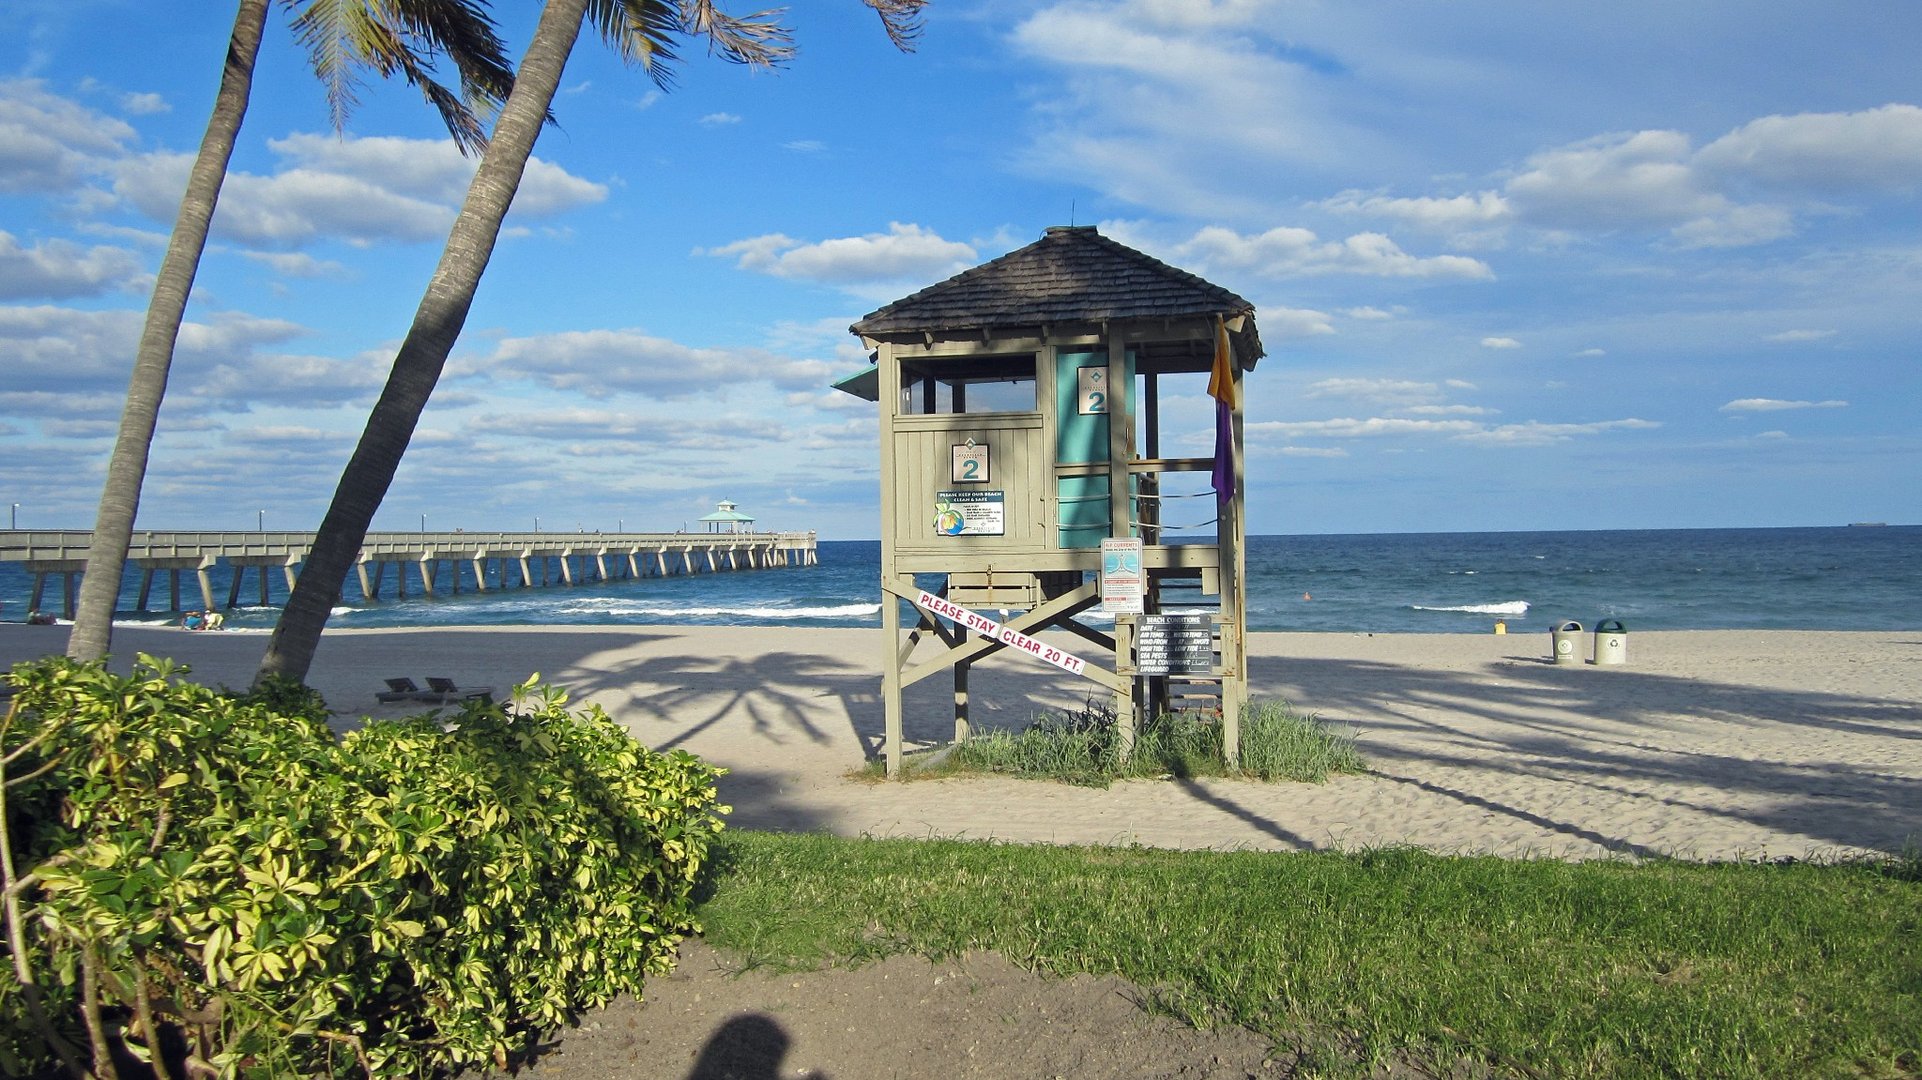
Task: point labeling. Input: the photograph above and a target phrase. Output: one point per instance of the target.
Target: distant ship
(1868, 524)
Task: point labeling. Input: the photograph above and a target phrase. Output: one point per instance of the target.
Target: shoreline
(1706, 744)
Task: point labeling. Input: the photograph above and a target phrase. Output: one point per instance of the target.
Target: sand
(1705, 745)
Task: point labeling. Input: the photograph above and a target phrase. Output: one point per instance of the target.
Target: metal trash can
(1567, 640)
(1611, 642)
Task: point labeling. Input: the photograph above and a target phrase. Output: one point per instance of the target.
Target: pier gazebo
(1022, 460)
(727, 518)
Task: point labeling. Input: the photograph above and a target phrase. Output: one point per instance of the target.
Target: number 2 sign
(970, 463)
(1094, 390)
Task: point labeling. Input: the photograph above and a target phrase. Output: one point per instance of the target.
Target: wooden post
(1121, 437)
(961, 697)
(888, 374)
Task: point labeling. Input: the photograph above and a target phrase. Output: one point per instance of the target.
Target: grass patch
(1084, 747)
(1532, 967)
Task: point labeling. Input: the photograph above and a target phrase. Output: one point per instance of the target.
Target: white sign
(1094, 389)
(1008, 636)
(1121, 582)
(970, 463)
(968, 512)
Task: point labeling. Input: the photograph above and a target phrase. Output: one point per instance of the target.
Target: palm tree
(644, 32)
(386, 36)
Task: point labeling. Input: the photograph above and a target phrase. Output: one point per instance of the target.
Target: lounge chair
(404, 690)
(449, 692)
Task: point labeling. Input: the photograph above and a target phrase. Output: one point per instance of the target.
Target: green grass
(1083, 747)
(1532, 967)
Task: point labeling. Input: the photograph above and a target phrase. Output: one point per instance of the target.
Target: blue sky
(1517, 265)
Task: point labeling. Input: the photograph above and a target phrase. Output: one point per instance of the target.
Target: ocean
(1844, 578)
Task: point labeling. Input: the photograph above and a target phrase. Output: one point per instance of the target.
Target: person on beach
(192, 620)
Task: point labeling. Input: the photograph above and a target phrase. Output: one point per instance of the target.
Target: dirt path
(978, 1016)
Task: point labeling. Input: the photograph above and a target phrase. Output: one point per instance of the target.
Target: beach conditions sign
(987, 627)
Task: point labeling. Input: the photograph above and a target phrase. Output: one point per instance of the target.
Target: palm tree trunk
(417, 366)
(127, 469)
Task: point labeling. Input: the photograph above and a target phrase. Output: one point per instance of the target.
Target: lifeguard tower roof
(1072, 275)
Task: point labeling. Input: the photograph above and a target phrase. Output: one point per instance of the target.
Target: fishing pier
(439, 562)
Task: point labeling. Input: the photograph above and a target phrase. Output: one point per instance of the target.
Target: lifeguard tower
(1022, 462)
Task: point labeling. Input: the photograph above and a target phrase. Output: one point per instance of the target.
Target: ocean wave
(1512, 607)
(669, 611)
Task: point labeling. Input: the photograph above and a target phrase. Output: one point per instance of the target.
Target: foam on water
(1512, 607)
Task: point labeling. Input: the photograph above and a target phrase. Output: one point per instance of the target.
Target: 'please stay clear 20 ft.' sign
(988, 628)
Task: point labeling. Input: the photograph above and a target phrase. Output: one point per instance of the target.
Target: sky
(1516, 265)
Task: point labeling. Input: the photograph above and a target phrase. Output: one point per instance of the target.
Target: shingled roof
(1072, 274)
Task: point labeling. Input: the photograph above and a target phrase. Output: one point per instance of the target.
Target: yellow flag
(1221, 382)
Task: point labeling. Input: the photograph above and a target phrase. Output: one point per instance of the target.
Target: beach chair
(404, 690)
(449, 692)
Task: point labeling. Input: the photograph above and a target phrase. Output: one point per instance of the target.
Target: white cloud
(1127, 81)
(1288, 324)
(1469, 219)
(805, 146)
(1449, 410)
(1800, 335)
(719, 119)
(144, 104)
(1824, 152)
(51, 347)
(1500, 343)
(1372, 314)
(50, 144)
(297, 264)
(1287, 252)
(1591, 353)
(905, 253)
(1397, 393)
(1537, 433)
(303, 382)
(369, 190)
(1638, 179)
(1351, 428)
(602, 363)
(1529, 433)
(1743, 405)
(60, 269)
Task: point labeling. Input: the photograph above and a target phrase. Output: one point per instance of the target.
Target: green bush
(216, 876)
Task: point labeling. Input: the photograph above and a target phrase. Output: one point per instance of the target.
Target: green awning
(864, 384)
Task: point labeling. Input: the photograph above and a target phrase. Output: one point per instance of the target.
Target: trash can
(1611, 642)
(1567, 641)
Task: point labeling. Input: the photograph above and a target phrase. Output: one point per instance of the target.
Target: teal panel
(1082, 505)
(1083, 437)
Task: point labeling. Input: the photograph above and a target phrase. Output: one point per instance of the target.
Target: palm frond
(405, 37)
(902, 19)
(325, 29)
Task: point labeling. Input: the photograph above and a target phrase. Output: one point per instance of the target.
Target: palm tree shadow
(1577, 726)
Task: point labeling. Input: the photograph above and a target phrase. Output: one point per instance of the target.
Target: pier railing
(525, 559)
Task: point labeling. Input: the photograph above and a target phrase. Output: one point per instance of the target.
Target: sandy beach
(1706, 744)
